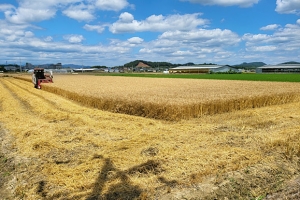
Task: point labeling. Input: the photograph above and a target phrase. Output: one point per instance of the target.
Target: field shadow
(120, 186)
(123, 190)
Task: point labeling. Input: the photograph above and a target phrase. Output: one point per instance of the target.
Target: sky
(115, 32)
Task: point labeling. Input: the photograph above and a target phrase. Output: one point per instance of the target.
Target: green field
(246, 77)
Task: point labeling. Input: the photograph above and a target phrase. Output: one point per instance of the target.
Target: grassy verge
(248, 77)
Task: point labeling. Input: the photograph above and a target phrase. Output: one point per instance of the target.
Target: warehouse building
(202, 69)
(281, 68)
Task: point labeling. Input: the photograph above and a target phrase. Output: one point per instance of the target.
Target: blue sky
(114, 32)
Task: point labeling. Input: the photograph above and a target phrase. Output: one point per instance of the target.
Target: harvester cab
(39, 76)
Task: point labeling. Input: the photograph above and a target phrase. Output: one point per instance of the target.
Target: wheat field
(63, 150)
(171, 99)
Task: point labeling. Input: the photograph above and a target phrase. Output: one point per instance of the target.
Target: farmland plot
(64, 150)
(171, 99)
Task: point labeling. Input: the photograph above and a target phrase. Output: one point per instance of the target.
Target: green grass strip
(244, 77)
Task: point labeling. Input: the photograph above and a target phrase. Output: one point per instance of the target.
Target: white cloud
(157, 23)
(135, 40)
(48, 39)
(182, 53)
(269, 27)
(12, 32)
(242, 3)
(192, 45)
(115, 5)
(74, 38)
(262, 48)
(30, 11)
(34, 10)
(283, 40)
(5, 7)
(28, 34)
(204, 37)
(79, 12)
(288, 6)
(256, 38)
(26, 15)
(126, 17)
(98, 28)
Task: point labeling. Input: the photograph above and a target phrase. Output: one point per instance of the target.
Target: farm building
(202, 69)
(10, 67)
(281, 68)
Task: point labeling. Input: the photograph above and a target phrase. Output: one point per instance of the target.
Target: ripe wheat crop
(171, 99)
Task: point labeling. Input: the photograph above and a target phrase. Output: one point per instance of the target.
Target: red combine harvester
(39, 76)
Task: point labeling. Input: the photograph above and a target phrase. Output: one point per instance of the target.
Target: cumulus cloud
(242, 3)
(182, 53)
(79, 12)
(269, 27)
(48, 39)
(97, 28)
(74, 38)
(28, 34)
(13, 32)
(30, 11)
(284, 39)
(288, 6)
(135, 40)
(204, 37)
(262, 48)
(196, 43)
(28, 15)
(126, 18)
(34, 11)
(5, 7)
(256, 37)
(115, 5)
(157, 23)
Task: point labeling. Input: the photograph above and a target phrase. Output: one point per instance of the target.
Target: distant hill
(291, 62)
(161, 64)
(149, 63)
(73, 66)
(251, 65)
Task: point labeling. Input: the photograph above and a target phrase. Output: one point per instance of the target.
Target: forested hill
(151, 64)
(250, 65)
(291, 62)
(160, 64)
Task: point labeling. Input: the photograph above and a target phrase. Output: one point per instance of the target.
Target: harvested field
(63, 150)
(171, 99)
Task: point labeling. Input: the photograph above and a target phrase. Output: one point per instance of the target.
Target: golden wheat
(171, 99)
(73, 152)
